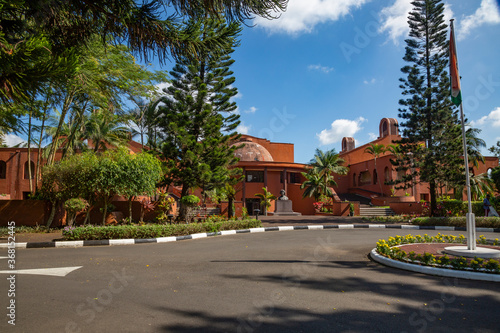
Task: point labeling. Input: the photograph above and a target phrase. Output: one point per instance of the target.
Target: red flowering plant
(317, 206)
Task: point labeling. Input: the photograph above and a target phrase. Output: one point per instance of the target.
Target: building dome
(252, 151)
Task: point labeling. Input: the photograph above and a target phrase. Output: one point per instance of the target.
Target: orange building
(271, 165)
(367, 180)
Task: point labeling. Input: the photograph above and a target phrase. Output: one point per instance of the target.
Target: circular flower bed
(391, 249)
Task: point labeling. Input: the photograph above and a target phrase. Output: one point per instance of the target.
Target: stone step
(374, 211)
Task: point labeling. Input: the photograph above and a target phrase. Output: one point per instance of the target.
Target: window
(387, 174)
(365, 178)
(3, 169)
(375, 177)
(255, 176)
(294, 178)
(26, 170)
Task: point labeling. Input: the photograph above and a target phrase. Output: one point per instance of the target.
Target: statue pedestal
(284, 208)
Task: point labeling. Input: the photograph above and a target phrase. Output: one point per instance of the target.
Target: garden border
(131, 241)
(433, 270)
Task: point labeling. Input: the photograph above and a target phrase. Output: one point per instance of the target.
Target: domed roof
(252, 151)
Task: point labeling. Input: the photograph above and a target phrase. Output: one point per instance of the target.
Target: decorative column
(243, 190)
(285, 180)
(265, 177)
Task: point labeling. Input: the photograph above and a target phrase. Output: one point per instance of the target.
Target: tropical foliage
(320, 177)
(429, 119)
(265, 199)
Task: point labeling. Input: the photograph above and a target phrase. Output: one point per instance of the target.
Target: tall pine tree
(196, 116)
(431, 145)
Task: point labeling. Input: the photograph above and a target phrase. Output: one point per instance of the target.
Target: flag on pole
(456, 94)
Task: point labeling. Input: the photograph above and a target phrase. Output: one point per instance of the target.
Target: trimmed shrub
(153, 230)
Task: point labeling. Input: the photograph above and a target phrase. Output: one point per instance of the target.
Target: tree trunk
(130, 208)
(230, 202)
(183, 208)
(104, 212)
(39, 157)
(52, 213)
(87, 215)
(29, 152)
(53, 149)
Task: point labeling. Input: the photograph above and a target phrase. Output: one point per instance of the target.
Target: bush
(190, 200)
(153, 230)
(74, 206)
(481, 221)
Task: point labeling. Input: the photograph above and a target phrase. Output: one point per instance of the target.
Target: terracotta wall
(408, 208)
(238, 205)
(23, 212)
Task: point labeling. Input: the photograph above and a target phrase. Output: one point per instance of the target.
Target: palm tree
(328, 163)
(316, 185)
(376, 150)
(481, 185)
(103, 127)
(265, 198)
(474, 145)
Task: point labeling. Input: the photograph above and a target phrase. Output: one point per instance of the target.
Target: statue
(282, 195)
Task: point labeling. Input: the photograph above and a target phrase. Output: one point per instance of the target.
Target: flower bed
(90, 232)
(391, 249)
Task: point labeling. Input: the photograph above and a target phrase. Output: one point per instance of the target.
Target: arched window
(3, 169)
(375, 177)
(387, 174)
(26, 170)
(365, 178)
(401, 174)
(354, 180)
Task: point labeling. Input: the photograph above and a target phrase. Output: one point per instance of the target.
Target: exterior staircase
(375, 211)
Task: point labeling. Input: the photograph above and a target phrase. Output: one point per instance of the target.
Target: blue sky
(330, 68)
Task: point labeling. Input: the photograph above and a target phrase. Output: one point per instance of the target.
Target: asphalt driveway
(288, 281)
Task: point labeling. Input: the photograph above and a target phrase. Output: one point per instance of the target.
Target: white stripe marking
(257, 230)
(314, 227)
(121, 241)
(285, 228)
(60, 271)
(166, 239)
(200, 235)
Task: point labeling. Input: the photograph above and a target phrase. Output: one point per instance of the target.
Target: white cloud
(492, 118)
(243, 129)
(340, 128)
(487, 13)
(238, 94)
(372, 81)
(251, 110)
(324, 69)
(394, 19)
(12, 140)
(161, 86)
(372, 136)
(302, 16)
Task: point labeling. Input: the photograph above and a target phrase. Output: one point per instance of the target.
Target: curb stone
(113, 242)
(433, 270)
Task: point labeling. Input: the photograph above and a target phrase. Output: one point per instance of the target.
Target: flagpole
(470, 218)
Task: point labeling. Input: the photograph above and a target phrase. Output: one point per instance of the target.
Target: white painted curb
(433, 270)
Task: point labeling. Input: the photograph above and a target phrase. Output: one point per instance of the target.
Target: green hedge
(481, 222)
(154, 230)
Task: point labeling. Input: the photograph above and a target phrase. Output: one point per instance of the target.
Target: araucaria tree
(196, 117)
(431, 146)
